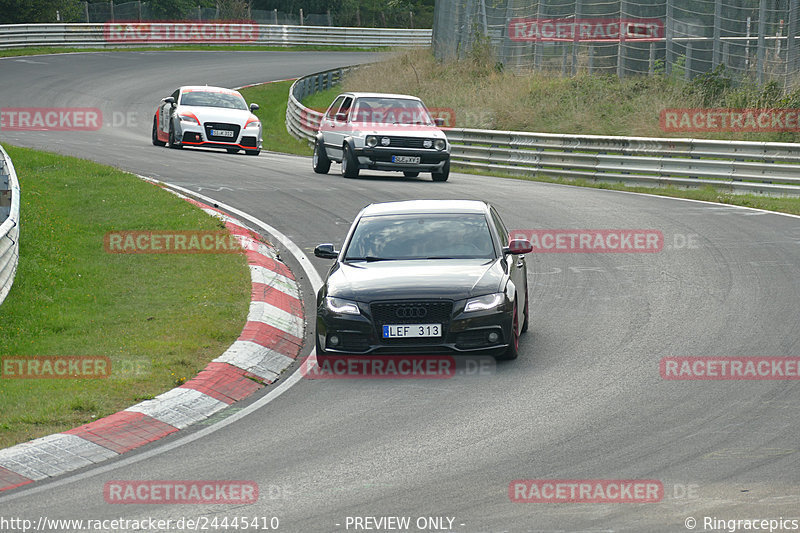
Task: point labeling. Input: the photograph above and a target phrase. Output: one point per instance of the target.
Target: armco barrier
(738, 166)
(9, 224)
(93, 35)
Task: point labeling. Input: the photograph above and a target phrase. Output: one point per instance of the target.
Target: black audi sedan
(424, 277)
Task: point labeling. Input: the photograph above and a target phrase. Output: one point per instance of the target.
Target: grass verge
(159, 317)
(597, 97)
(272, 97)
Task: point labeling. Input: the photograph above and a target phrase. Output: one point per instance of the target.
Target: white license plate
(222, 133)
(405, 159)
(399, 331)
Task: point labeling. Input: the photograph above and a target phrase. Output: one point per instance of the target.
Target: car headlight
(252, 122)
(191, 119)
(484, 303)
(440, 144)
(343, 307)
(427, 143)
(372, 141)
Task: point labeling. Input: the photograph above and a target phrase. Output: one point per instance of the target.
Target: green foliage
(31, 11)
(710, 86)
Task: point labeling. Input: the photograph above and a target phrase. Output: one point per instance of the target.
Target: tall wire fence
(686, 38)
(138, 10)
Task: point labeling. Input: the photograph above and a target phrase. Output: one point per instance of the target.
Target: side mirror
(254, 107)
(439, 121)
(168, 100)
(326, 251)
(518, 246)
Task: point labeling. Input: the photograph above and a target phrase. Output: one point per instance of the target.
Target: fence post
(591, 58)
(139, 10)
(575, 35)
(563, 59)
(410, 19)
(86, 10)
(717, 32)
(111, 7)
(726, 53)
(621, 46)
(330, 20)
(668, 31)
(301, 16)
(275, 12)
(762, 43)
(687, 73)
(791, 44)
(651, 63)
(537, 51)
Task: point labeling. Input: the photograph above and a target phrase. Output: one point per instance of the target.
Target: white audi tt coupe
(212, 117)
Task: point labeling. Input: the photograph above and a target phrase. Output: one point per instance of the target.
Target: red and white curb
(269, 343)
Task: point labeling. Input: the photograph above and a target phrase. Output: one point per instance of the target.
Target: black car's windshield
(421, 236)
(213, 99)
(391, 111)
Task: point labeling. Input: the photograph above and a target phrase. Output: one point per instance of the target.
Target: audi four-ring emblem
(411, 312)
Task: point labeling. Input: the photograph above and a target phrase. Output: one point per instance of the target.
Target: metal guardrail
(739, 166)
(93, 35)
(9, 224)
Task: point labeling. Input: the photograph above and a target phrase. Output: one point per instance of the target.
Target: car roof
(379, 95)
(426, 207)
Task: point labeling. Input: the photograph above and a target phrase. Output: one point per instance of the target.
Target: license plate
(222, 133)
(399, 331)
(405, 159)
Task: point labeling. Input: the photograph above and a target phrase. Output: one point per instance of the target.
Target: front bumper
(380, 158)
(464, 333)
(247, 139)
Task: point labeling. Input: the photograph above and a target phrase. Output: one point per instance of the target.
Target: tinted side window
(348, 103)
(334, 106)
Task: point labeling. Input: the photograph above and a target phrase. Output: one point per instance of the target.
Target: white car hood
(218, 114)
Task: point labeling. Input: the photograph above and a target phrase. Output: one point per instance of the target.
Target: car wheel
(444, 174)
(172, 142)
(252, 152)
(349, 164)
(513, 347)
(156, 142)
(410, 174)
(232, 150)
(320, 159)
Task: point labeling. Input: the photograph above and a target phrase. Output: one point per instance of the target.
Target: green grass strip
(159, 317)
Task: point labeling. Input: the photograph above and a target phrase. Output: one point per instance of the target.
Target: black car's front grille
(209, 126)
(412, 312)
(405, 142)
